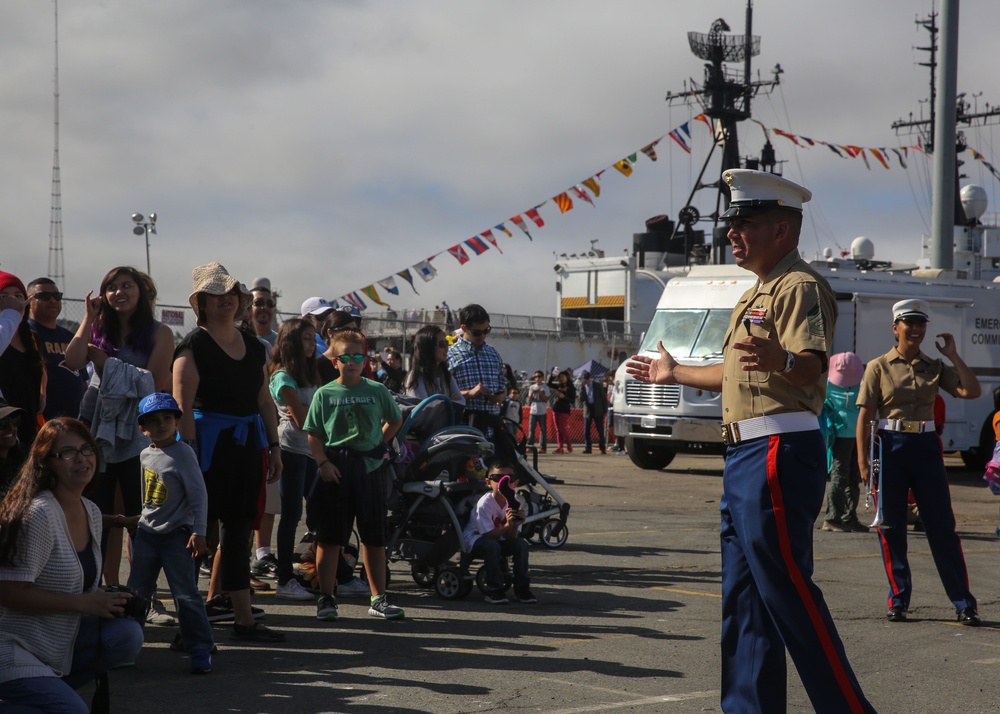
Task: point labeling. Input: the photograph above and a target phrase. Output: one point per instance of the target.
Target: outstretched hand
(655, 370)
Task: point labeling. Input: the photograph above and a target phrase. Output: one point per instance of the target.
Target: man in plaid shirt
(478, 370)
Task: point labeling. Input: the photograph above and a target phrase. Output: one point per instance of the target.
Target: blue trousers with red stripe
(913, 461)
(772, 493)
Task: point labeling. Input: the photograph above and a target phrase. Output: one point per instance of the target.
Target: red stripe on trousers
(799, 581)
(887, 563)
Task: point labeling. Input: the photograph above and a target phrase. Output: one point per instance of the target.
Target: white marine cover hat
(755, 191)
(913, 309)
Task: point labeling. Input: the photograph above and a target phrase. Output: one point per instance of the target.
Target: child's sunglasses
(358, 358)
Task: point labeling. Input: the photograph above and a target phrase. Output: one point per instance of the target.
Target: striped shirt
(471, 365)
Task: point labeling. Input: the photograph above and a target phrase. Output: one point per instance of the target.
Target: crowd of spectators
(251, 408)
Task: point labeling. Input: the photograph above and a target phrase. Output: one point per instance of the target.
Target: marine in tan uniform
(773, 384)
(898, 391)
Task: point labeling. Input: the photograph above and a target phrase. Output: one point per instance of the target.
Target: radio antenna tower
(56, 269)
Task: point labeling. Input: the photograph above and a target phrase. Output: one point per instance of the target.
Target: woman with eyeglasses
(220, 384)
(129, 351)
(56, 626)
(22, 373)
(429, 367)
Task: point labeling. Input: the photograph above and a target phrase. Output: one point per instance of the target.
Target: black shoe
(585, 451)
(918, 526)
(969, 617)
(266, 567)
(525, 596)
(897, 614)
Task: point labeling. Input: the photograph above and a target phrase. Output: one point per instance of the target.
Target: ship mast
(939, 133)
(725, 97)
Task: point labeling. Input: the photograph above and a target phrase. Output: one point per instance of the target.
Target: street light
(144, 227)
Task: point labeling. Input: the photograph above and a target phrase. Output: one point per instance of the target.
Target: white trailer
(693, 313)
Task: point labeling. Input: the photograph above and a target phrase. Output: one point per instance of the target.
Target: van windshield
(688, 333)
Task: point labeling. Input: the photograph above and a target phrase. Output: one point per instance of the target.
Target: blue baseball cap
(158, 402)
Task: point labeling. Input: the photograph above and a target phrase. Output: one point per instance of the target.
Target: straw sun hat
(214, 279)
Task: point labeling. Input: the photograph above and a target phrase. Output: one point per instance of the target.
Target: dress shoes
(897, 614)
(969, 617)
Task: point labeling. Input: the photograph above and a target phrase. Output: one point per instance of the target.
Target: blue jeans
(492, 551)
(297, 478)
(121, 639)
(168, 551)
(538, 420)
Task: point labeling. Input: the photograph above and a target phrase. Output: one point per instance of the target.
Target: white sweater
(42, 645)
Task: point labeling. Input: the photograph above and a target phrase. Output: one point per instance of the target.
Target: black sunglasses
(261, 302)
(46, 296)
(480, 333)
(14, 420)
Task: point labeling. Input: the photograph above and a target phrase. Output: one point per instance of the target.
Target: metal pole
(943, 212)
(148, 271)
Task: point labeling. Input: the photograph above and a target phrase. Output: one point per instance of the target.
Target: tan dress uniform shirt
(796, 307)
(902, 389)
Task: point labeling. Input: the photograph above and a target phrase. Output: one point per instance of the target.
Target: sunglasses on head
(262, 302)
(46, 296)
(480, 333)
(358, 358)
(14, 420)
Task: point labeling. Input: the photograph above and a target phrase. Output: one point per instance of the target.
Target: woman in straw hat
(220, 383)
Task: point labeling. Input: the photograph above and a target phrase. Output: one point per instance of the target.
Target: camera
(135, 607)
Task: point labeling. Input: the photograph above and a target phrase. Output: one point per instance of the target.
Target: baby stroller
(439, 479)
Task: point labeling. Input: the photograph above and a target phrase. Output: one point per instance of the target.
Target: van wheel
(646, 455)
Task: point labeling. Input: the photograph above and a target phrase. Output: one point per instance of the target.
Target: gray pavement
(627, 620)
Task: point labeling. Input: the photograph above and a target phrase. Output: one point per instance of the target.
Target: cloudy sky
(329, 144)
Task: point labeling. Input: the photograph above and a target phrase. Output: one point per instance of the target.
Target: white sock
(261, 552)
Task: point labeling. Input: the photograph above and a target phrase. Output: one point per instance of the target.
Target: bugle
(875, 476)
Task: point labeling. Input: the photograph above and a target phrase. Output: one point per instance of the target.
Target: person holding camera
(56, 626)
(171, 531)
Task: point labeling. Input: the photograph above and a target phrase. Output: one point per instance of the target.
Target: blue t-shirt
(65, 386)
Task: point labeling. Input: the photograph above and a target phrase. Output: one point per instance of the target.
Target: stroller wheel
(508, 579)
(423, 575)
(450, 585)
(555, 534)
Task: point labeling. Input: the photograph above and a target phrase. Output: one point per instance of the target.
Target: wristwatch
(789, 363)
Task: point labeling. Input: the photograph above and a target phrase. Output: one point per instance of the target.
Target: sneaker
(266, 567)
(380, 607)
(857, 527)
(525, 596)
(255, 633)
(205, 569)
(292, 591)
(496, 597)
(201, 661)
(220, 609)
(355, 587)
(326, 608)
(158, 614)
(834, 527)
(541, 450)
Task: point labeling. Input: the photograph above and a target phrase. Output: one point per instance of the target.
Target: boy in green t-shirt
(350, 423)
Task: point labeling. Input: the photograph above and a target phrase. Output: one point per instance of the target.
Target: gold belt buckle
(731, 433)
(911, 427)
